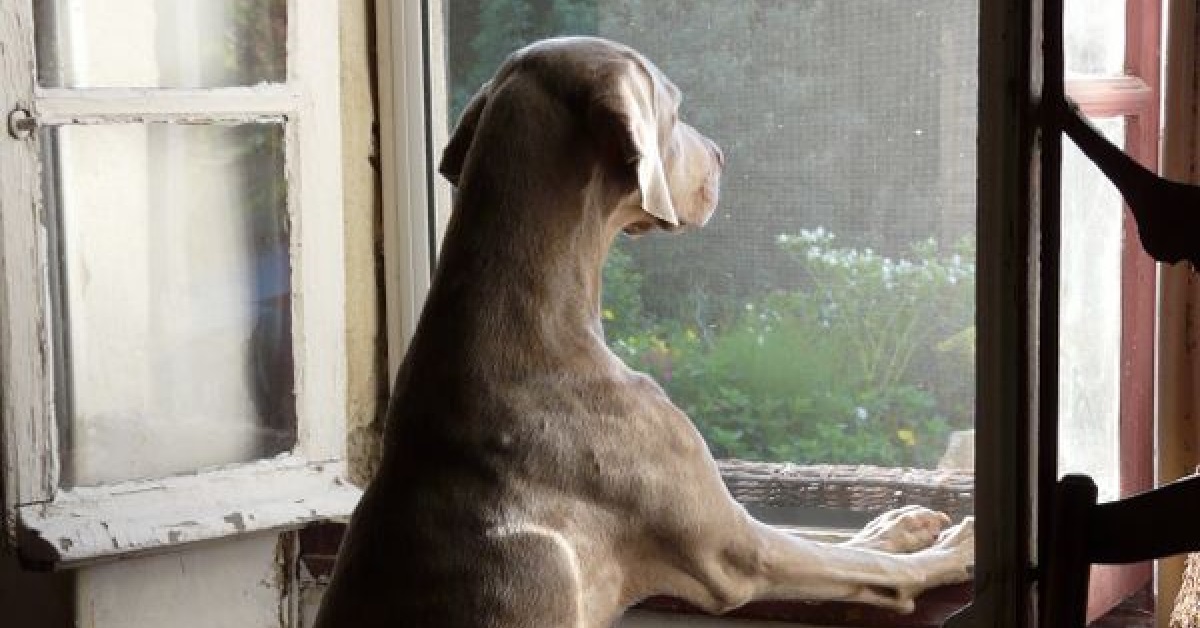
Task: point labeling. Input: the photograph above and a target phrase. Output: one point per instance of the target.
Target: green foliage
(887, 311)
(622, 294)
(505, 26)
(846, 370)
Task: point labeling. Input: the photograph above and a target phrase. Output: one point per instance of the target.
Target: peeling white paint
(93, 524)
(115, 105)
(26, 390)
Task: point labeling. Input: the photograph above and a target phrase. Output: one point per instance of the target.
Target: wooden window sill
(88, 525)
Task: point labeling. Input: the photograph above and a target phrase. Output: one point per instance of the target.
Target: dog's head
(668, 171)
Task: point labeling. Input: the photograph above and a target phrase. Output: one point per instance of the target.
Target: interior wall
(368, 387)
(237, 582)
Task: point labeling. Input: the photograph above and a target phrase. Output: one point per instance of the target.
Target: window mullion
(1112, 96)
(84, 106)
(314, 171)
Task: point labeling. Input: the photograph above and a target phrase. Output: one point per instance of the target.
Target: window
(173, 360)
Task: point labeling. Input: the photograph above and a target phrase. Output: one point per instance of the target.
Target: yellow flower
(690, 334)
(608, 314)
(908, 437)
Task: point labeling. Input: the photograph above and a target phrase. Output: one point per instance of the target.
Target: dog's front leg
(795, 568)
(760, 562)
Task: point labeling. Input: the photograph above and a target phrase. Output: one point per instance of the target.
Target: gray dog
(530, 478)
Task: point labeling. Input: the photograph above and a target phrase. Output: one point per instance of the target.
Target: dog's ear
(460, 141)
(624, 110)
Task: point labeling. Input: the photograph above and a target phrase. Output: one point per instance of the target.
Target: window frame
(1135, 95)
(415, 200)
(56, 528)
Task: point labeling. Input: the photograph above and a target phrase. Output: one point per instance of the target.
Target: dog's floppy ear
(627, 102)
(460, 141)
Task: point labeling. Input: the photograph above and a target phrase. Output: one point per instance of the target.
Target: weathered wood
(26, 391)
(314, 171)
(124, 105)
(95, 524)
(1008, 198)
(309, 105)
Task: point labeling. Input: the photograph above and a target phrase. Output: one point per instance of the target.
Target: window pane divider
(88, 525)
(1111, 96)
(116, 105)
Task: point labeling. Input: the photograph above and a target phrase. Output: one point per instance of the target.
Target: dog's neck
(522, 262)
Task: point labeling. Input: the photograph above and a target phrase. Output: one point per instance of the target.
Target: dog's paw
(902, 531)
(952, 557)
(959, 541)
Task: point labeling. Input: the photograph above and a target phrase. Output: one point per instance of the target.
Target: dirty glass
(160, 43)
(1090, 319)
(172, 296)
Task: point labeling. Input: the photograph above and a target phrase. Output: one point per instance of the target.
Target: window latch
(21, 123)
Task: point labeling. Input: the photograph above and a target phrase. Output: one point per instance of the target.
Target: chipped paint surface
(125, 105)
(309, 102)
(236, 520)
(94, 524)
(25, 400)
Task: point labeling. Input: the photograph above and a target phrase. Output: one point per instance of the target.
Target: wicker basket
(872, 490)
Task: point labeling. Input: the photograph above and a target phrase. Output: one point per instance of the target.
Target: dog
(529, 478)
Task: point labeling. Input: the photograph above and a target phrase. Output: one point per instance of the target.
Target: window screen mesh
(826, 313)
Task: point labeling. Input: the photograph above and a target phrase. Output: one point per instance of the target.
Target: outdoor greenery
(493, 29)
(845, 370)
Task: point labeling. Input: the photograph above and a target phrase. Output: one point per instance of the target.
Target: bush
(847, 370)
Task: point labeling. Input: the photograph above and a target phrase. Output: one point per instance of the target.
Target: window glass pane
(826, 313)
(161, 43)
(1094, 37)
(1090, 318)
(174, 299)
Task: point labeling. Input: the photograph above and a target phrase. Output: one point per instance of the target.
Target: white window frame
(57, 528)
(416, 200)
